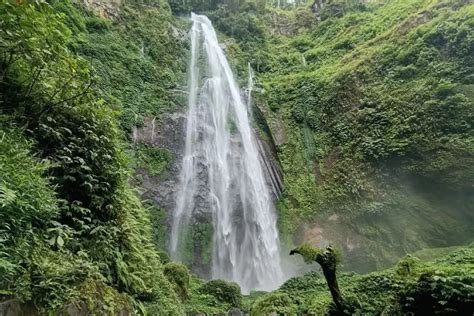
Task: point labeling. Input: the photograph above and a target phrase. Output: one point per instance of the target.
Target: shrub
(223, 291)
(95, 24)
(164, 257)
(26, 197)
(311, 280)
(276, 302)
(440, 293)
(178, 275)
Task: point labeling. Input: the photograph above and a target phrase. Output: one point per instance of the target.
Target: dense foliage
(225, 292)
(78, 227)
(138, 68)
(213, 297)
(178, 275)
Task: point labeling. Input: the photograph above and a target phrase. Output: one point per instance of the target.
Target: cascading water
(249, 90)
(220, 145)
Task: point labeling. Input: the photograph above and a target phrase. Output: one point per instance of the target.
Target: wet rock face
(318, 6)
(14, 307)
(333, 231)
(271, 168)
(169, 132)
(166, 132)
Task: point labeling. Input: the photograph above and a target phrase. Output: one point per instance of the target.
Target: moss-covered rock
(102, 299)
(223, 291)
(277, 302)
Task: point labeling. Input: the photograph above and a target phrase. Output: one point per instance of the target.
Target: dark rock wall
(166, 132)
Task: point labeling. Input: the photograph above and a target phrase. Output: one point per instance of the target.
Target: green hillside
(371, 110)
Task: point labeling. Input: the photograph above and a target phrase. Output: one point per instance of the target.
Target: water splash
(221, 171)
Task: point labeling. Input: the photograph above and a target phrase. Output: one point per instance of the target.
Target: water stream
(250, 84)
(221, 172)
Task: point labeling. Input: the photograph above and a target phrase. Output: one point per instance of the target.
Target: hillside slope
(370, 106)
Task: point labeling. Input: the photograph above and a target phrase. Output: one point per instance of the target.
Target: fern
(7, 196)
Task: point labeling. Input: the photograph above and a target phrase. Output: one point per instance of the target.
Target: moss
(407, 265)
(102, 299)
(153, 159)
(322, 256)
(158, 218)
(197, 244)
(328, 259)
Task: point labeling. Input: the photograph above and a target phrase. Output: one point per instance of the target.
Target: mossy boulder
(223, 291)
(101, 299)
(276, 302)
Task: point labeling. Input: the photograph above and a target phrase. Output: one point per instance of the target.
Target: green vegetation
(200, 302)
(71, 225)
(441, 287)
(159, 232)
(328, 260)
(197, 246)
(178, 275)
(73, 230)
(136, 68)
(277, 302)
(225, 292)
(350, 98)
(153, 159)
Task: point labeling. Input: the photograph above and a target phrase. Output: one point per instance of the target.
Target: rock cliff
(104, 8)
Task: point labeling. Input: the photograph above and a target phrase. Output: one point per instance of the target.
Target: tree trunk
(327, 259)
(330, 275)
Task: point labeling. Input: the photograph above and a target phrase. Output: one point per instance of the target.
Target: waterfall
(249, 91)
(221, 172)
